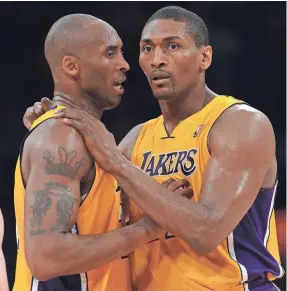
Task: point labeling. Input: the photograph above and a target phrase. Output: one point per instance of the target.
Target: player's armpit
(242, 146)
(58, 162)
(127, 144)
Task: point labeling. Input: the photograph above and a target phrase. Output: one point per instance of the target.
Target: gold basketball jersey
(171, 265)
(98, 213)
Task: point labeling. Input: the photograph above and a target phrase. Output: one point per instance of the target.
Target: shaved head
(72, 35)
(85, 57)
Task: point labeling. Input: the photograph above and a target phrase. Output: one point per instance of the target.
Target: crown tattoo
(64, 167)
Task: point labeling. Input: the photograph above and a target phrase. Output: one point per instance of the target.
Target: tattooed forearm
(62, 165)
(63, 203)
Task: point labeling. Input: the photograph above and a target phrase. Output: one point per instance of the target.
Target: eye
(147, 49)
(173, 46)
(110, 55)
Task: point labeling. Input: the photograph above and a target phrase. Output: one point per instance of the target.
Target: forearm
(178, 215)
(86, 252)
(3, 274)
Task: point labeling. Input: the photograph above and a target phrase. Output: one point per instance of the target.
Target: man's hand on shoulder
(35, 111)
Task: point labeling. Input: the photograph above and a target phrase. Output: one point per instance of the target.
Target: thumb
(76, 124)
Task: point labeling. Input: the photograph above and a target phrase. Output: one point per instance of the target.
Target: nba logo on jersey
(198, 130)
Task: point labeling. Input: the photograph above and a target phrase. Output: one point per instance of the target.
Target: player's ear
(70, 66)
(206, 57)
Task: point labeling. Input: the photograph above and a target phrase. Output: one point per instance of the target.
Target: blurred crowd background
(249, 44)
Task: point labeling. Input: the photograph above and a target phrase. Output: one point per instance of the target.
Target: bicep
(52, 197)
(241, 153)
(51, 202)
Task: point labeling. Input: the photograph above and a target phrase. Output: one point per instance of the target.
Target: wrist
(141, 224)
(116, 163)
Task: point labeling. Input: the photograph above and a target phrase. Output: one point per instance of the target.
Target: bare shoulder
(127, 144)
(54, 131)
(243, 113)
(243, 128)
(52, 140)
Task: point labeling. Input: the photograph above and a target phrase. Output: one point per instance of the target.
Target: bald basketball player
(3, 273)
(225, 238)
(66, 207)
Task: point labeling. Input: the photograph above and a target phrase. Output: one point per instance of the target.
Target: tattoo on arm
(64, 205)
(63, 165)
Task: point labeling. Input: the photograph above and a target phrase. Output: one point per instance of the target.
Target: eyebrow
(113, 47)
(167, 39)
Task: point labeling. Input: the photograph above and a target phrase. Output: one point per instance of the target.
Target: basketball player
(66, 207)
(224, 239)
(3, 273)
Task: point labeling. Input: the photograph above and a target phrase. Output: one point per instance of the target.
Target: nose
(124, 65)
(159, 60)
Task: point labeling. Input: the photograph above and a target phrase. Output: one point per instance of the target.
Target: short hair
(195, 26)
(68, 35)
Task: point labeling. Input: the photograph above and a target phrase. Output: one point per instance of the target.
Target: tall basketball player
(66, 207)
(224, 238)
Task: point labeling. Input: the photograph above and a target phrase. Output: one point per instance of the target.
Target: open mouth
(119, 86)
(119, 83)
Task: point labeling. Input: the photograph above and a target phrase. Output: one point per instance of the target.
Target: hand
(180, 187)
(99, 141)
(153, 230)
(35, 111)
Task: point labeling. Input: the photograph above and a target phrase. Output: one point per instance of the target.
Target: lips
(119, 82)
(118, 86)
(159, 75)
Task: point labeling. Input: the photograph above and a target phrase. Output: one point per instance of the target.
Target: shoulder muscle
(243, 135)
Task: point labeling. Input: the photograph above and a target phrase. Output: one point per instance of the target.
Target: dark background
(248, 40)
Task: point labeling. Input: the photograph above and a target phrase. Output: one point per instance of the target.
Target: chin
(167, 95)
(113, 102)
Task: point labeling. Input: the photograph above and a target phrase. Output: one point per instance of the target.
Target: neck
(71, 97)
(176, 111)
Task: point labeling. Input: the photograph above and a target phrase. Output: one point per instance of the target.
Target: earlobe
(70, 66)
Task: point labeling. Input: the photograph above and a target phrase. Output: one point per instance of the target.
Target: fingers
(80, 126)
(167, 182)
(185, 192)
(29, 117)
(176, 184)
(46, 104)
(69, 113)
(38, 109)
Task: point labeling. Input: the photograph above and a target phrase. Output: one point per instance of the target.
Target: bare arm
(242, 148)
(3, 273)
(51, 206)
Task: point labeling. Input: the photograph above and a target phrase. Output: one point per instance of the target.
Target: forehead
(105, 35)
(163, 28)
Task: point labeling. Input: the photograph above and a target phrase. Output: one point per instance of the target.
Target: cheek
(143, 62)
(186, 67)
